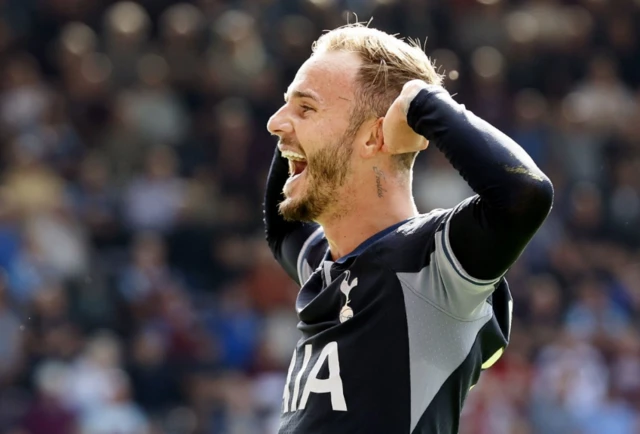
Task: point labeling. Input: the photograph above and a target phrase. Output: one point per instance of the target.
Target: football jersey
(394, 335)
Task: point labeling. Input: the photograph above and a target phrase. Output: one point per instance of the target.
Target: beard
(326, 172)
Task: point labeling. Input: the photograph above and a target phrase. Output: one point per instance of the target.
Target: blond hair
(388, 63)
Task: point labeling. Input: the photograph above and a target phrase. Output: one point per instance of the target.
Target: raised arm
(488, 232)
(289, 241)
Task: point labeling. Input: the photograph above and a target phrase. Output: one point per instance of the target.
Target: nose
(279, 123)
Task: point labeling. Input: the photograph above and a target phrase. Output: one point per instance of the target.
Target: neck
(366, 215)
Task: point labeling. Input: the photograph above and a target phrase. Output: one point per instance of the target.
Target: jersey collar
(366, 243)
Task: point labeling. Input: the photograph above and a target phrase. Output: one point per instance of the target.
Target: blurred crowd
(137, 295)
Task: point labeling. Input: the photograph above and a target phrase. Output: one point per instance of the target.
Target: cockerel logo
(346, 312)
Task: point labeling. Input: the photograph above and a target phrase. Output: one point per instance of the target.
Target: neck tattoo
(379, 177)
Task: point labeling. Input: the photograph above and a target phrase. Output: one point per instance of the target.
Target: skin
(351, 185)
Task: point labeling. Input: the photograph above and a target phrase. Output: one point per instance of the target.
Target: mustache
(289, 142)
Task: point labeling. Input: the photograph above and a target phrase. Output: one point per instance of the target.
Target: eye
(305, 108)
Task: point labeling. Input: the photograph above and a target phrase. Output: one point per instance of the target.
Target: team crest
(346, 312)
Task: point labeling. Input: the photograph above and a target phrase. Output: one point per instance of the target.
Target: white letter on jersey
(332, 385)
(285, 395)
(296, 386)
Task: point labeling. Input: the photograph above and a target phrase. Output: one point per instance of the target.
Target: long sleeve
(488, 232)
(286, 239)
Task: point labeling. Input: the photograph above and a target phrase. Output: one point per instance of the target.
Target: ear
(375, 139)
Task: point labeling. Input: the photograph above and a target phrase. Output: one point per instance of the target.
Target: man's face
(316, 132)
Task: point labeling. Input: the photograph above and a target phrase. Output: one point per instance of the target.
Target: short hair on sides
(388, 63)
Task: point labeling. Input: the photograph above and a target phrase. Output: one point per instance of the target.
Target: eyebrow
(302, 94)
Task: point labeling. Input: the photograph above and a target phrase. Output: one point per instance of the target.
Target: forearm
(284, 238)
(514, 196)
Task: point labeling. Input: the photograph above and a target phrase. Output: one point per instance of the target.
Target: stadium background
(138, 296)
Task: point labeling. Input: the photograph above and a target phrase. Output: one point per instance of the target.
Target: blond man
(399, 311)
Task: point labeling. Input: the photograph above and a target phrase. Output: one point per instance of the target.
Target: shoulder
(424, 223)
(412, 243)
(420, 228)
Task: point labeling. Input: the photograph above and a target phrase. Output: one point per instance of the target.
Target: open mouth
(297, 163)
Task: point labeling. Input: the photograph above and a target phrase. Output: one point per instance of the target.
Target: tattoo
(379, 177)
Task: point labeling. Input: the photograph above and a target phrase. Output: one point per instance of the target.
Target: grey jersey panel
(445, 309)
(445, 283)
(438, 343)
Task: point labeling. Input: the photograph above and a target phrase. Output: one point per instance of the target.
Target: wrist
(431, 100)
(412, 88)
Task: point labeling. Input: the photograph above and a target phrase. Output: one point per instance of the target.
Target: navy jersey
(393, 335)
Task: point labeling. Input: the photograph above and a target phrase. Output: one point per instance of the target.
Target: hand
(399, 137)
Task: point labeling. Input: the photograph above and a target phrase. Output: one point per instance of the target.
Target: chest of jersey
(353, 337)
(392, 338)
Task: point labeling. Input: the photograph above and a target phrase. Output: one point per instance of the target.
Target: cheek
(318, 130)
(323, 141)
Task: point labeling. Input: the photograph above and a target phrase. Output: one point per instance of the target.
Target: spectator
(153, 379)
(11, 335)
(94, 382)
(47, 414)
(149, 273)
(119, 414)
(153, 201)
